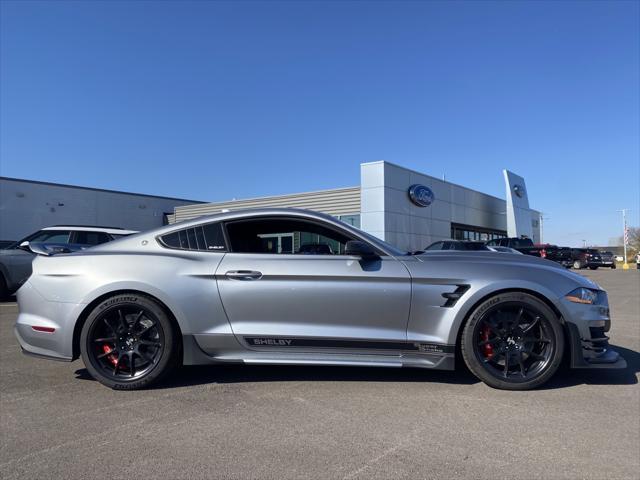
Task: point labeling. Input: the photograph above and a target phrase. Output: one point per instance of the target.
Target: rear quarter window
(205, 238)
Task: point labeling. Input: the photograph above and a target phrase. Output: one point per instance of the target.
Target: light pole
(625, 237)
(542, 219)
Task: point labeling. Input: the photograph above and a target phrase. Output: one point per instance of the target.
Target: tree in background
(633, 247)
(634, 242)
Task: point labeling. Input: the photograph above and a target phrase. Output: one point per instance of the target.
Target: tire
(593, 268)
(577, 264)
(528, 342)
(613, 267)
(128, 342)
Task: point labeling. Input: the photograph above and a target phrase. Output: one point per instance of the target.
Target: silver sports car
(287, 286)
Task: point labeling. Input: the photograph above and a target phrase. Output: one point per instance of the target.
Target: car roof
(89, 228)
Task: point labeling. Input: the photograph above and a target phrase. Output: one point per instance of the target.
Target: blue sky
(215, 100)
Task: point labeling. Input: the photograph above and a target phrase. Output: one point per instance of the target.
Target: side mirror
(24, 246)
(356, 248)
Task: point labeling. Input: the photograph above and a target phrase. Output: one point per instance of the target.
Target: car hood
(497, 265)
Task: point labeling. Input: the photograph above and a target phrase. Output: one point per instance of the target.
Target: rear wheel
(513, 341)
(128, 342)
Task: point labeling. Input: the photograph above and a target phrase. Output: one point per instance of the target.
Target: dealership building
(406, 208)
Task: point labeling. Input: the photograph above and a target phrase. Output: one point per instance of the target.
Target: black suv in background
(608, 259)
(586, 257)
(561, 255)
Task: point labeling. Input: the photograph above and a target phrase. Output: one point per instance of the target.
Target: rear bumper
(43, 328)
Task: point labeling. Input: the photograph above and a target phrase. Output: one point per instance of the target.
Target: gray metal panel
(27, 206)
(339, 201)
(388, 213)
(519, 215)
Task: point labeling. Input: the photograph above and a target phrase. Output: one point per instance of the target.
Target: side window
(90, 238)
(207, 237)
(284, 236)
(50, 236)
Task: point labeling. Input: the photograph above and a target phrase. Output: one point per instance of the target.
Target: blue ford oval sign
(421, 195)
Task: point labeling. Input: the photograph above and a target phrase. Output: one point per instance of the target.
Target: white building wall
(27, 206)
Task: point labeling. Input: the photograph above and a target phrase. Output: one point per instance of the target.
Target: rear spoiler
(50, 249)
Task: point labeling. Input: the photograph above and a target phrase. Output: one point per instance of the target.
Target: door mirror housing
(357, 248)
(24, 246)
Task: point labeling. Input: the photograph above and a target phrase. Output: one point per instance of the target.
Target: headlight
(586, 296)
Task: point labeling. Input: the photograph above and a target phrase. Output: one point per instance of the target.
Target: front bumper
(593, 352)
(587, 326)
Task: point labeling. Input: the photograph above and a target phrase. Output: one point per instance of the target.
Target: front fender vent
(453, 297)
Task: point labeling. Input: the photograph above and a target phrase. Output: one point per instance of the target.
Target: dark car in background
(561, 255)
(608, 259)
(586, 258)
(523, 245)
(15, 259)
(457, 245)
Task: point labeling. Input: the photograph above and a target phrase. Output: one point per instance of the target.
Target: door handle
(243, 274)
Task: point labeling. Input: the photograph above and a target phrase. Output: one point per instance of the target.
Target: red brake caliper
(112, 358)
(487, 348)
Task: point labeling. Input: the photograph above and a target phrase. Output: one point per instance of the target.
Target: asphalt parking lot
(350, 423)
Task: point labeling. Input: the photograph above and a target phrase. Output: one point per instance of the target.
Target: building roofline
(286, 195)
(64, 185)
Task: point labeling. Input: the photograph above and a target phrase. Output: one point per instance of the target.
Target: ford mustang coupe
(294, 287)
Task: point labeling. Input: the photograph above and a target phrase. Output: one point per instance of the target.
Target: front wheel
(613, 267)
(577, 264)
(593, 268)
(513, 341)
(128, 342)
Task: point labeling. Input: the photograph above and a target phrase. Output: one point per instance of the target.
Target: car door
(310, 300)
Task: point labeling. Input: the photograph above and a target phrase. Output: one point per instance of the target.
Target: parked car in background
(561, 255)
(15, 259)
(608, 259)
(456, 245)
(586, 258)
(523, 245)
(505, 250)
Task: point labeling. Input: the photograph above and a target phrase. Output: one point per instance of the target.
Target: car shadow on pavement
(205, 374)
(599, 376)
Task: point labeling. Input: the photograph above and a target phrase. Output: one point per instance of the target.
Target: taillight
(43, 329)
(543, 253)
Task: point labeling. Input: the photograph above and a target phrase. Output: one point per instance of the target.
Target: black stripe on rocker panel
(348, 344)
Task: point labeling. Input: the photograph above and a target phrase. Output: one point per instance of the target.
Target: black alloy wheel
(513, 341)
(128, 342)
